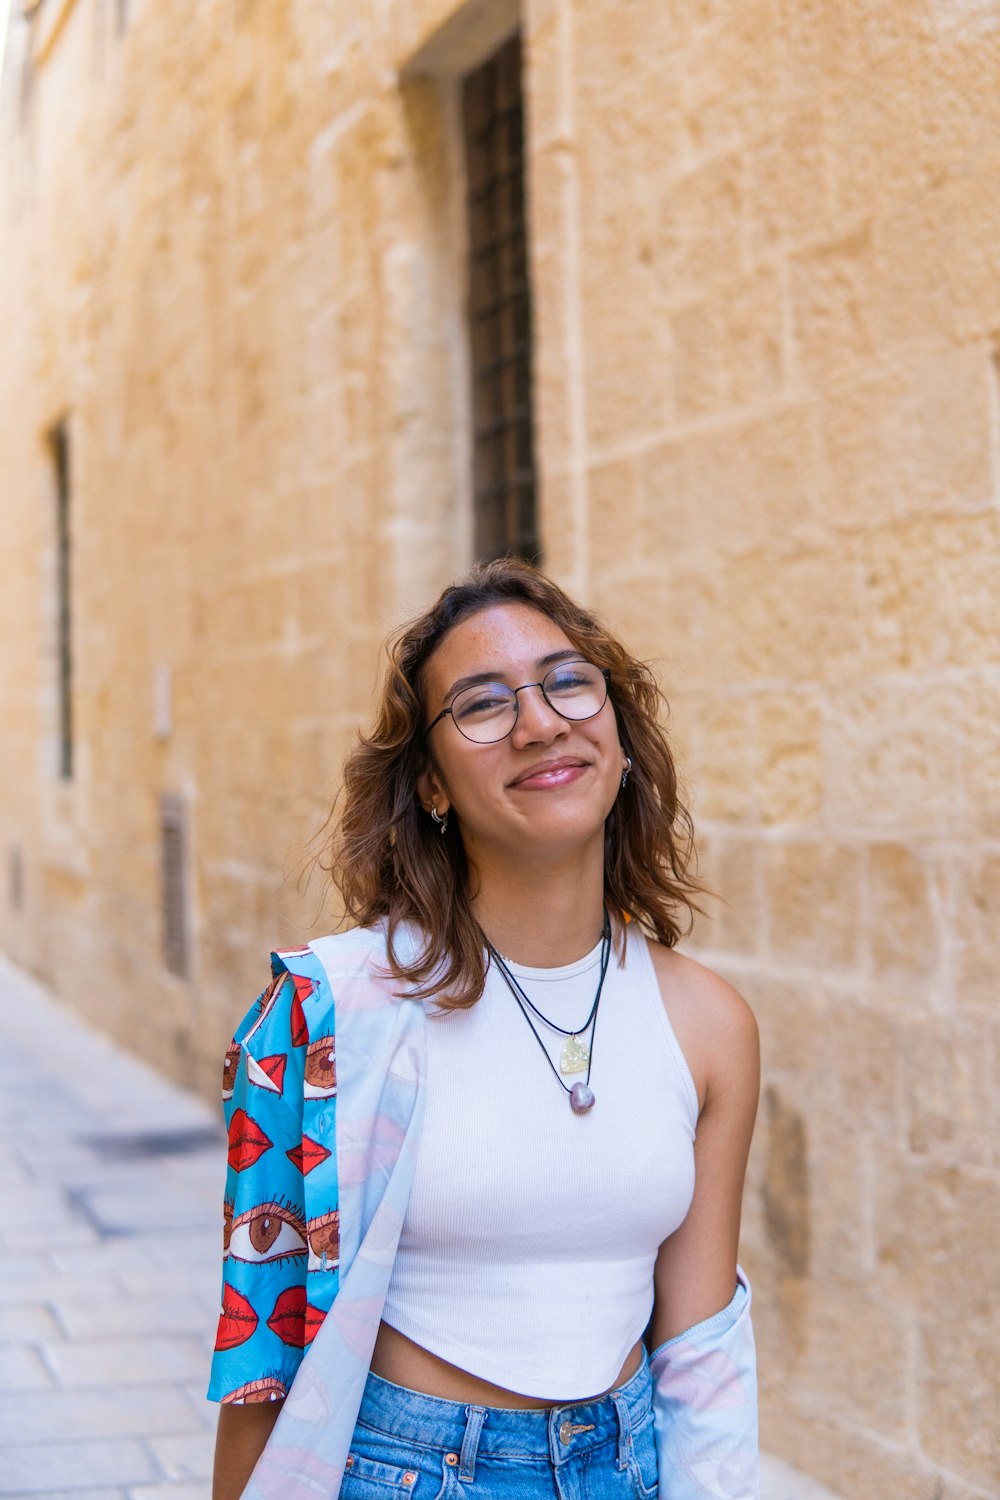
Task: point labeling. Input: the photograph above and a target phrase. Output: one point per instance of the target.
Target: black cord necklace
(581, 1095)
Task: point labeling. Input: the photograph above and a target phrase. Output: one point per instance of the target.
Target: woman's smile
(558, 772)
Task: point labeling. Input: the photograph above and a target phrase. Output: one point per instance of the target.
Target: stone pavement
(109, 1268)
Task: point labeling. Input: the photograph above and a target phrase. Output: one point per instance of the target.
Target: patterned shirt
(322, 1142)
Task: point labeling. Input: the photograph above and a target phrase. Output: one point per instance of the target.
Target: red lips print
(303, 989)
(247, 1142)
(314, 1317)
(308, 1155)
(238, 1320)
(288, 1320)
(274, 1068)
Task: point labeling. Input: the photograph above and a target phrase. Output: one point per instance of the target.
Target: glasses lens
(485, 713)
(576, 689)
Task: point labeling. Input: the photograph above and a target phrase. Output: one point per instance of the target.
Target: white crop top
(527, 1250)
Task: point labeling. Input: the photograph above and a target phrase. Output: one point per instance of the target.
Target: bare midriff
(405, 1363)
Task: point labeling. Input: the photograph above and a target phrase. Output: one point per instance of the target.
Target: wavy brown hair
(387, 857)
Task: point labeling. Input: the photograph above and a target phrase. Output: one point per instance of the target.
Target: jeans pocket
(372, 1479)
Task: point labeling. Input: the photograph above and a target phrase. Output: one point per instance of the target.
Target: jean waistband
(553, 1432)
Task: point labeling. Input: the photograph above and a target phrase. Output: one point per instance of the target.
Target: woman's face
(548, 787)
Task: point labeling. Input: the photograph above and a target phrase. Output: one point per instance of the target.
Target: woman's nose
(536, 718)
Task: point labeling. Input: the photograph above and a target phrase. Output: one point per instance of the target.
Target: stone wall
(767, 304)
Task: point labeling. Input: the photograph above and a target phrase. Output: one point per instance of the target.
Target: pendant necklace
(576, 1054)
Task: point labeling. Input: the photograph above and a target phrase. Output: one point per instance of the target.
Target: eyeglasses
(486, 713)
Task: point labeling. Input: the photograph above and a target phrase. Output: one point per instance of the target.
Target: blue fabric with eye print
(280, 1266)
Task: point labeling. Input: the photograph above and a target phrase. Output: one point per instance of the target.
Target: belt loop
(467, 1457)
(624, 1428)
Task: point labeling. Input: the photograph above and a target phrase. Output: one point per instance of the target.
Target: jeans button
(566, 1433)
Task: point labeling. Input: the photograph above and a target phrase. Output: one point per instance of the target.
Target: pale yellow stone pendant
(575, 1056)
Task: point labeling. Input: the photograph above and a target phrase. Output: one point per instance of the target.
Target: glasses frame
(604, 671)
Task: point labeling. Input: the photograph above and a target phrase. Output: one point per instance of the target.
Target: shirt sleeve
(261, 1332)
(705, 1406)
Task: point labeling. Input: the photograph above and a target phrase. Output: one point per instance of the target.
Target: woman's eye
(490, 700)
(268, 1231)
(568, 682)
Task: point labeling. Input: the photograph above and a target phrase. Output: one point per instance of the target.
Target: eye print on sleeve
(321, 1069)
(229, 1067)
(256, 1392)
(267, 1232)
(324, 1241)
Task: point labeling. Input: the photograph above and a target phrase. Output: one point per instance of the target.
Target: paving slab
(80, 1363)
(23, 1369)
(110, 1268)
(185, 1457)
(40, 1469)
(186, 1490)
(130, 1316)
(76, 1495)
(113, 1411)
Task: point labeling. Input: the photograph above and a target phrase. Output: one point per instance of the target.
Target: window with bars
(59, 440)
(173, 885)
(499, 309)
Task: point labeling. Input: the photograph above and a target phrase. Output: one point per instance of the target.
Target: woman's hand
(239, 1442)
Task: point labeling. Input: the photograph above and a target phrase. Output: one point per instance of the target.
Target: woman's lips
(549, 776)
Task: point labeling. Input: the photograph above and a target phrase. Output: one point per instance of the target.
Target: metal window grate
(173, 885)
(499, 309)
(64, 645)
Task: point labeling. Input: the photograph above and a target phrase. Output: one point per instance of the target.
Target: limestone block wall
(766, 309)
(768, 305)
(228, 257)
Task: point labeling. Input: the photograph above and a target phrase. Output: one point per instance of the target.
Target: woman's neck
(541, 918)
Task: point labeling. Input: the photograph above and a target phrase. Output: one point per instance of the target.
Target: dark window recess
(64, 633)
(499, 309)
(173, 855)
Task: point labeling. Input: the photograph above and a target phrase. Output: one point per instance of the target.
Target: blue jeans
(407, 1444)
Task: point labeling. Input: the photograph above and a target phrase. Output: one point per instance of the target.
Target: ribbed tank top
(527, 1250)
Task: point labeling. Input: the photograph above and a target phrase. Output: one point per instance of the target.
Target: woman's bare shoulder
(714, 1024)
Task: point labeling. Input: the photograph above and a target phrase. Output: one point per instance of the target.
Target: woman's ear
(430, 791)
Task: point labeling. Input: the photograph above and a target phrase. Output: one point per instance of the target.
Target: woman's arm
(696, 1267)
(703, 1363)
(239, 1442)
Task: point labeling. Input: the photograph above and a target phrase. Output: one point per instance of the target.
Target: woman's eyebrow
(496, 675)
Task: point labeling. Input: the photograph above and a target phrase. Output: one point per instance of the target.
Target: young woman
(488, 1146)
